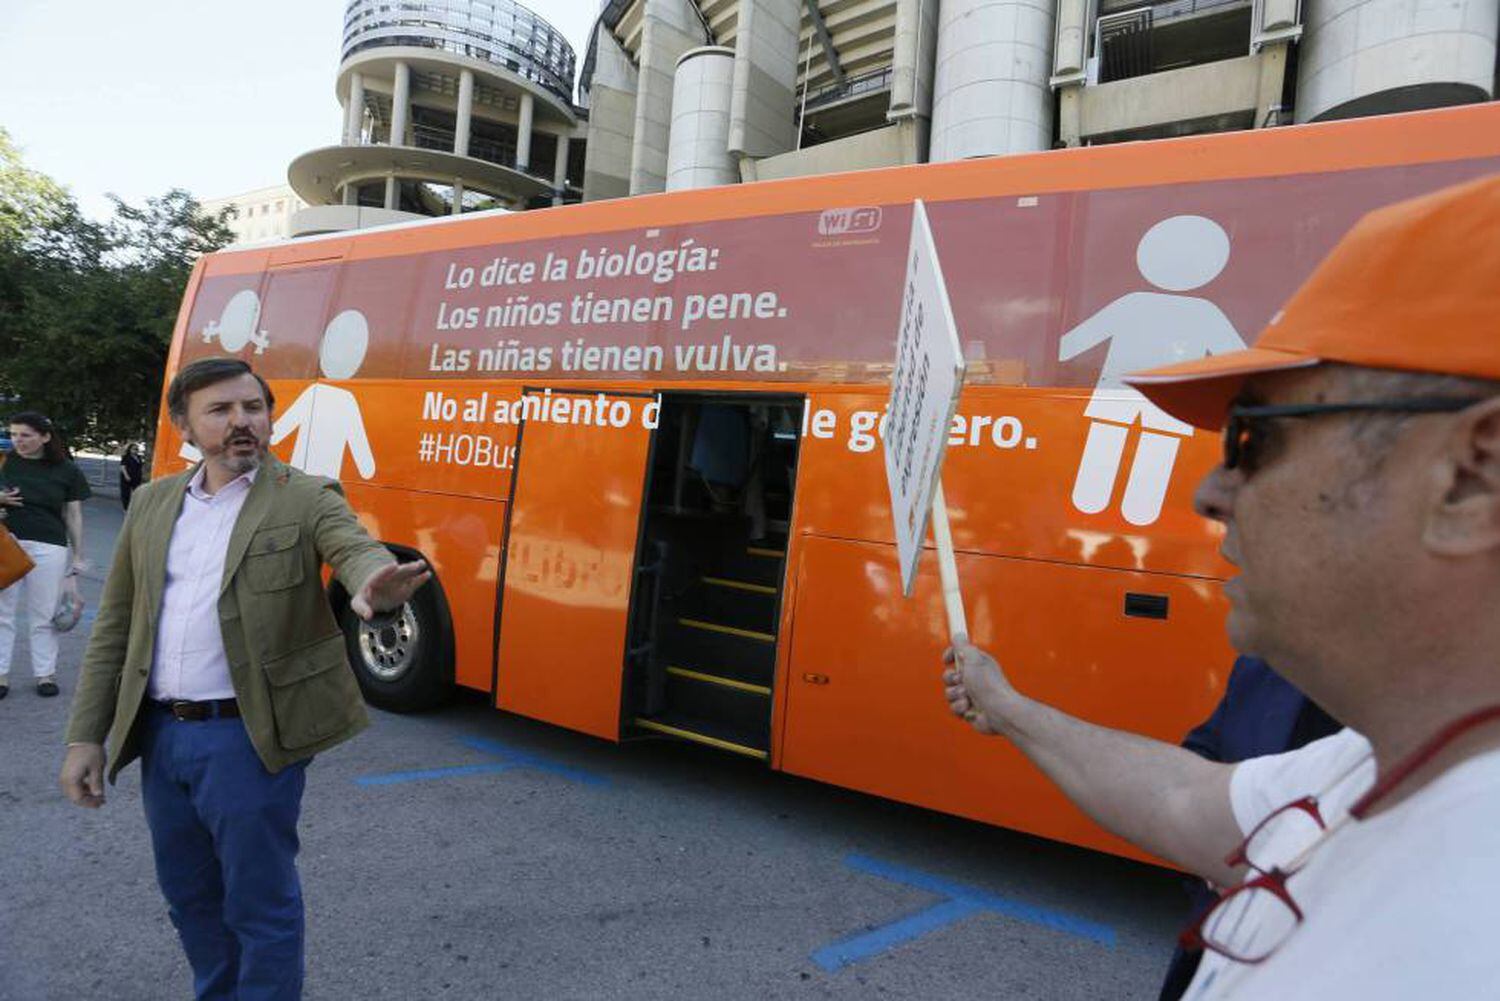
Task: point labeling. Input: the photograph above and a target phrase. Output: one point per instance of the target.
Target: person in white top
(1360, 499)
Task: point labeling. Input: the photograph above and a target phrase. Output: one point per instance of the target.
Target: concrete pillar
(763, 103)
(914, 60)
(560, 164)
(523, 132)
(701, 97)
(1071, 42)
(668, 29)
(400, 105)
(1272, 82)
(1070, 115)
(391, 191)
(458, 194)
(351, 194)
(465, 112)
(354, 111)
(1070, 49)
(611, 128)
(1370, 57)
(993, 93)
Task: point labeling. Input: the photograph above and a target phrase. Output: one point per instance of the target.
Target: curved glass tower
(449, 106)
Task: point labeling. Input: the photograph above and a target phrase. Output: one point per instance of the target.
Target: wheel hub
(388, 651)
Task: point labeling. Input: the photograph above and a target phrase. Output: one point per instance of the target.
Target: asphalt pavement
(468, 853)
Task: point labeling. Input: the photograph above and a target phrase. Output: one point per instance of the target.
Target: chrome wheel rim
(388, 651)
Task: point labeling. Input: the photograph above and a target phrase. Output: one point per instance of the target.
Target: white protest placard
(925, 385)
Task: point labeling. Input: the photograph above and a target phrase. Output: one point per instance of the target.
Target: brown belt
(182, 709)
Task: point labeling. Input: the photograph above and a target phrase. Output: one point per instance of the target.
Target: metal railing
(502, 32)
(865, 83)
(492, 151)
(1123, 33)
(1168, 10)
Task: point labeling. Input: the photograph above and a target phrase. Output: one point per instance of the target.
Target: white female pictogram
(329, 417)
(1146, 329)
(236, 325)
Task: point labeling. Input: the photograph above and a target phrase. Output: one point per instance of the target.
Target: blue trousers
(224, 834)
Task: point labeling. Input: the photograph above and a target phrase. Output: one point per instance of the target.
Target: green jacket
(286, 655)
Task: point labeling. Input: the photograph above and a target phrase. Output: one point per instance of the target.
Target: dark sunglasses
(1244, 430)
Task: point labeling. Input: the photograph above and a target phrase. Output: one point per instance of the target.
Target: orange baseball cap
(1414, 286)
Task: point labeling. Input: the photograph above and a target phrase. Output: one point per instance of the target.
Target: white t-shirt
(1404, 905)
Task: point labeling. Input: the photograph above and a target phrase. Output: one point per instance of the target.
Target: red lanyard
(1420, 757)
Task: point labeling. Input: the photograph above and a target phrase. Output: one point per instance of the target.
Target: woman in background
(130, 473)
(41, 498)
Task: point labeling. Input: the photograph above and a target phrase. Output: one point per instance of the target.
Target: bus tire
(403, 663)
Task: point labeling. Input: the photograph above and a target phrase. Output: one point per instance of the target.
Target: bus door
(706, 618)
(570, 552)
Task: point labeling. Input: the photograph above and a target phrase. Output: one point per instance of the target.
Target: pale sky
(209, 95)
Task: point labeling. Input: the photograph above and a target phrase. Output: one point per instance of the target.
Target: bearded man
(215, 658)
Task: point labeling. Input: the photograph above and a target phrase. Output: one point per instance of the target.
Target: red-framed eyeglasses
(1251, 921)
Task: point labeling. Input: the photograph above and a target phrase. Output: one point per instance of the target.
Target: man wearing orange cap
(1360, 497)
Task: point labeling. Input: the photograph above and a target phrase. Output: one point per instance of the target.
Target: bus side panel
(435, 437)
(439, 488)
(460, 538)
(865, 707)
(1014, 456)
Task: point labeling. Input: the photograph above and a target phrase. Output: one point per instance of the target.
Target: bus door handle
(815, 679)
(650, 574)
(643, 654)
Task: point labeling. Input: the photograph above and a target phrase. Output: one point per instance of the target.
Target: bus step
(730, 710)
(739, 585)
(749, 610)
(759, 563)
(720, 680)
(703, 732)
(717, 654)
(714, 627)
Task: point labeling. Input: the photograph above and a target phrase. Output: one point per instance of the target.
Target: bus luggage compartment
(864, 706)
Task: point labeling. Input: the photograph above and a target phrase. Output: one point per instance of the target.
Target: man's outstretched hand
(389, 588)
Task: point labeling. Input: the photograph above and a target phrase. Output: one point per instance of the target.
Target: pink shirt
(189, 661)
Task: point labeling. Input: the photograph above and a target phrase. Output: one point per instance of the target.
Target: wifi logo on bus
(848, 222)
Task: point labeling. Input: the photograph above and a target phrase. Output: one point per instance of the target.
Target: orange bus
(638, 440)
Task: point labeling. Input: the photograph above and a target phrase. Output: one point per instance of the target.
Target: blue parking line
(842, 953)
(960, 902)
(511, 758)
(1057, 920)
(393, 778)
(526, 759)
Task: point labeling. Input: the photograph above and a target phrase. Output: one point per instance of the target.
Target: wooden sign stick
(953, 601)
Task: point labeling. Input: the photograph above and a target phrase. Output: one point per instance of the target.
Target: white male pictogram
(1144, 330)
(328, 417)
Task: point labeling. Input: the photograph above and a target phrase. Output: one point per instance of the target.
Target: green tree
(29, 201)
(87, 310)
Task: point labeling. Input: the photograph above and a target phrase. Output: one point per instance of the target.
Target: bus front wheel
(402, 661)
